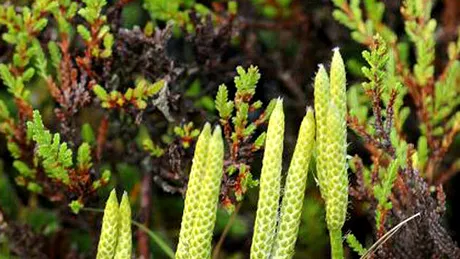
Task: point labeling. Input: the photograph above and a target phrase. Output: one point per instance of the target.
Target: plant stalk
(336, 244)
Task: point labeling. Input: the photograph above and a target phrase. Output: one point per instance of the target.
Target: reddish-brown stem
(145, 209)
(447, 175)
(102, 137)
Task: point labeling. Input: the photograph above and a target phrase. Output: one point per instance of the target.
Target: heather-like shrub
(236, 129)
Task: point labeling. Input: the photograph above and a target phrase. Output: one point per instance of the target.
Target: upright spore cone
(208, 198)
(337, 171)
(124, 245)
(322, 95)
(296, 182)
(193, 190)
(336, 206)
(338, 84)
(336, 147)
(109, 230)
(331, 147)
(269, 194)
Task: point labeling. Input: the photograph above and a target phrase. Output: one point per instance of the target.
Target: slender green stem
(93, 209)
(216, 252)
(156, 238)
(336, 244)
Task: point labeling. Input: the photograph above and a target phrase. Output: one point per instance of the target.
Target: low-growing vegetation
(232, 129)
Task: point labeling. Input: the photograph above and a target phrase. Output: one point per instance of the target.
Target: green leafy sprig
(137, 96)
(240, 131)
(97, 33)
(363, 26)
(56, 158)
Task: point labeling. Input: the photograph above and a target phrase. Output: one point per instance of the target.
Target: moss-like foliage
(57, 157)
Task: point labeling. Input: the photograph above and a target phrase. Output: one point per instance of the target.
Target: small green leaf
(155, 88)
(84, 33)
(101, 93)
(40, 25)
(241, 115)
(232, 7)
(84, 157)
(87, 134)
(4, 112)
(34, 187)
(260, 141)
(28, 74)
(422, 152)
(7, 77)
(75, 206)
(55, 54)
(224, 106)
(23, 169)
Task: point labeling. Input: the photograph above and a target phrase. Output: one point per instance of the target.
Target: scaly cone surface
(208, 198)
(322, 95)
(336, 207)
(296, 182)
(336, 153)
(269, 194)
(109, 230)
(124, 246)
(192, 195)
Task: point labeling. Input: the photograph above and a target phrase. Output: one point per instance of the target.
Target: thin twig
(215, 254)
(453, 170)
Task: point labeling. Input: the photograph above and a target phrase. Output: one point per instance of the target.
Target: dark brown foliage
(23, 241)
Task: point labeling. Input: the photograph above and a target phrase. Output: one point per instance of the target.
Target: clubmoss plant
(208, 198)
(192, 197)
(337, 197)
(332, 149)
(275, 235)
(120, 88)
(124, 244)
(294, 189)
(270, 186)
(322, 96)
(203, 190)
(110, 229)
(202, 196)
(116, 237)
